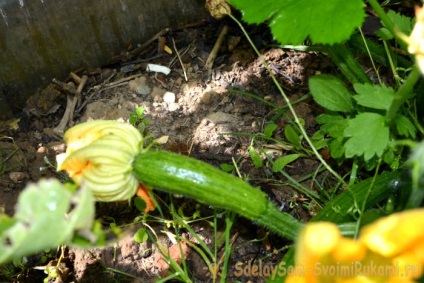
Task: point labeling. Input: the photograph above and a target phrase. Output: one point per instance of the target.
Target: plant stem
(402, 94)
(289, 104)
(386, 20)
(383, 16)
(370, 56)
(278, 222)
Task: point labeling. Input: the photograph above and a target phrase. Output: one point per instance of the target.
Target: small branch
(402, 94)
(215, 49)
(179, 59)
(72, 96)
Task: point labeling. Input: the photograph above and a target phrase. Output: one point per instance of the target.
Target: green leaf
(281, 162)
(256, 158)
(384, 34)
(402, 23)
(405, 127)
(368, 136)
(337, 148)
(292, 136)
(318, 140)
(331, 93)
(292, 21)
(332, 124)
(140, 204)
(139, 111)
(141, 235)
(390, 158)
(226, 167)
(269, 130)
(43, 219)
(6, 222)
(374, 96)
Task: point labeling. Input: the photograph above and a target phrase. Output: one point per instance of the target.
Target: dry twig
(215, 49)
(72, 96)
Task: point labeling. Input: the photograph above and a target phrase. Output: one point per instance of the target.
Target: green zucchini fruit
(193, 178)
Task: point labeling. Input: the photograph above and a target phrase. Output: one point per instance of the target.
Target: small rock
(169, 97)
(206, 97)
(18, 177)
(173, 106)
(221, 118)
(49, 132)
(42, 150)
(157, 92)
(140, 86)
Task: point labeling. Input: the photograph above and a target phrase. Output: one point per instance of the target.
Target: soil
(201, 115)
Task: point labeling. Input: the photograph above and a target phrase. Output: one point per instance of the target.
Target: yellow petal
(349, 250)
(99, 157)
(416, 39)
(314, 245)
(84, 134)
(319, 238)
(394, 234)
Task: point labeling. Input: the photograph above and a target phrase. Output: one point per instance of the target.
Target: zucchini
(178, 174)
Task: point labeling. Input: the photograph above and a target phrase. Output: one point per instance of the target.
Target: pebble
(140, 86)
(169, 97)
(173, 106)
(18, 177)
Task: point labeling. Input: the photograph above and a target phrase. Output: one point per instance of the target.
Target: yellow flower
(388, 250)
(400, 237)
(99, 156)
(416, 39)
(325, 256)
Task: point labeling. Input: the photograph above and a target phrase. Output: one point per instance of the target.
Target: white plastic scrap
(158, 69)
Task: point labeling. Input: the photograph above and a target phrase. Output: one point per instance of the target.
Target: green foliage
(226, 167)
(293, 21)
(138, 120)
(405, 127)
(141, 235)
(137, 116)
(331, 93)
(281, 162)
(402, 23)
(256, 158)
(293, 137)
(368, 136)
(140, 204)
(269, 130)
(374, 96)
(49, 215)
(40, 222)
(358, 129)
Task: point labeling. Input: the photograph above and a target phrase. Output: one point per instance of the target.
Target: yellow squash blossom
(416, 39)
(399, 237)
(388, 250)
(99, 156)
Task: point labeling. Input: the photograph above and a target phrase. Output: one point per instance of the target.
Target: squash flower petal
(395, 234)
(389, 250)
(416, 39)
(99, 156)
